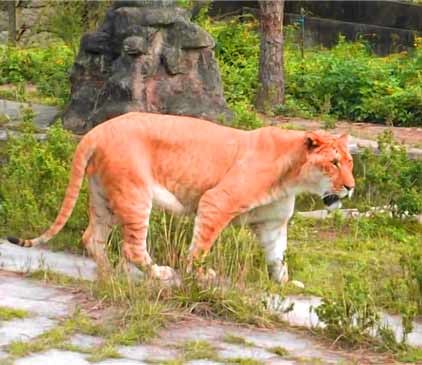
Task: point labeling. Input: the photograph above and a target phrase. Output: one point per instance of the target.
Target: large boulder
(147, 56)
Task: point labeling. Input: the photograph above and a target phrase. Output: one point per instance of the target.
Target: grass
(199, 349)
(279, 350)
(237, 340)
(243, 361)
(375, 249)
(108, 351)
(411, 355)
(55, 278)
(319, 253)
(54, 338)
(7, 314)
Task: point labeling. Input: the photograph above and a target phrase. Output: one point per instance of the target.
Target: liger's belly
(180, 201)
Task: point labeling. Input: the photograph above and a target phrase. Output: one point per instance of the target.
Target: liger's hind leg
(100, 224)
(133, 210)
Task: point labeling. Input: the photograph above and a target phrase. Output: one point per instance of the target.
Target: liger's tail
(83, 153)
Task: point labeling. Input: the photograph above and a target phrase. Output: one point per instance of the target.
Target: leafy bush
(34, 179)
(237, 52)
(411, 264)
(349, 314)
(389, 178)
(347, 81)
(70, 19)
(47, 68)
(238, 56)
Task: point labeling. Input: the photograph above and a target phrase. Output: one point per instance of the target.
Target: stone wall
(31, 17)
(389, 26)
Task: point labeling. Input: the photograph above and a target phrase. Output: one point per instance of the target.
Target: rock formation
(147, 56)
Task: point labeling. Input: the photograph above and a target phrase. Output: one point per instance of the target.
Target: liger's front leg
(234, 195)
(273, 237)
(212, 216)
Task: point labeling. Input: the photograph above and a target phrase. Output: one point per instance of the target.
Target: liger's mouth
(330, 199)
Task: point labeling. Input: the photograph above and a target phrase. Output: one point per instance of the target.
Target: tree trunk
(271, 76)
(11, 11)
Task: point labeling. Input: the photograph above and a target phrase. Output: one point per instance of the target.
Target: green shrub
(70, 19)
(411, 264)
(388, 178)
(347, 81)
(47, 68)
(356, 84)
(34, 179)
(237, 52)
(349, 314)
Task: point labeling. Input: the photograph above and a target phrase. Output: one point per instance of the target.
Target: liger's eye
(336, 162)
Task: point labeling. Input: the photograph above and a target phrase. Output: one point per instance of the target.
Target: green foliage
(245, 117)
(279, 350)
(46, 68)
(70, 19)
(6, 313)
(350, 313)
(237, 51)
(238, 57)
(237, 340)
(411, 264)
(55, 337)
(347, 81)
(389, 178)
(199, 349)
(357, 85)
(34, 181)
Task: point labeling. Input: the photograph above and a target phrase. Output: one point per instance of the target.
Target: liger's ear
(313, 140)
(344, 138)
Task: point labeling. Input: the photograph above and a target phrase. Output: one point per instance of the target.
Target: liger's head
(328, 170)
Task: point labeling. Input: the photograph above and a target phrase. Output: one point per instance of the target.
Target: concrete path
(11, 117)
(44, 115)
(47, 305)
(363, 135)
(25, 260)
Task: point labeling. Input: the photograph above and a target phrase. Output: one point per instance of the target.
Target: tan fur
(189, 165)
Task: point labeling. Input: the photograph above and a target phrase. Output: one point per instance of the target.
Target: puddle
(302, 313)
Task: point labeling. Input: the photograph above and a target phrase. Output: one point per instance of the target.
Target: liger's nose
(348, 188)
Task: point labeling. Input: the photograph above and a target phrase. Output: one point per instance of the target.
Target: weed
(4, 119)
(410, 355)
(198, 349)
(279, 350)
(55, 278)
(236, 340)
(328, 121)
(54, 338)
(49, 339)
(243, 361)
(6, 313)
(107, 351)
(347, 81)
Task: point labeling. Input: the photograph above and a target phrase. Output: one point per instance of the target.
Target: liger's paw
(165, 274)
(206, 276)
